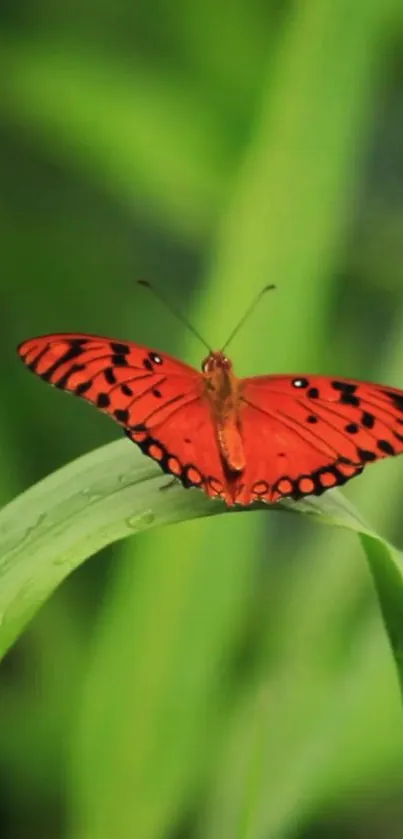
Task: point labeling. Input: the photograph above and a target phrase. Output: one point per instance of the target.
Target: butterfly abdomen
(231, 444)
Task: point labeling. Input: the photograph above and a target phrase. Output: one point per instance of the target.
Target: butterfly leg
(173, 482)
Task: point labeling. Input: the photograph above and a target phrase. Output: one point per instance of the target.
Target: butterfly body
(223, 391)
(242, 440)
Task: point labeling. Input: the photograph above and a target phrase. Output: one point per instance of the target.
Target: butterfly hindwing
(191, 435)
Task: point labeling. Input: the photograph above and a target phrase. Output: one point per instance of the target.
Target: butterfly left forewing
(127, 381)
(157, 399)
(304, 434)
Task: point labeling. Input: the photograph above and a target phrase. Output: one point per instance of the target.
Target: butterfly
(263, 438)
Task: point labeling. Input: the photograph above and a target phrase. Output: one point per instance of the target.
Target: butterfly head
(216, 362)
(219, 378)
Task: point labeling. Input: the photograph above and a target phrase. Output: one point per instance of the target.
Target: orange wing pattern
(158, 400)
(305, 434)
(301, 435)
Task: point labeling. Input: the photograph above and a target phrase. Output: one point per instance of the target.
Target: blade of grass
(115, 492)
(51, 528)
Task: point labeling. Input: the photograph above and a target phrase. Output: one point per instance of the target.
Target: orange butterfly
(254, 439)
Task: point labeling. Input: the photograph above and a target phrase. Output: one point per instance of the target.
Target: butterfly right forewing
(306, 434)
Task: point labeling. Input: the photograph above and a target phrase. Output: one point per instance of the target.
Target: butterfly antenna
(247, 313)
(174, 311)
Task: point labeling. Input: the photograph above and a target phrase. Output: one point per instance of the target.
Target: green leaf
(50, 529)
(386, 564)
(115, 492)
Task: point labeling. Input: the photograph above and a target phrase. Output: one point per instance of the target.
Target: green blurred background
(226, 678)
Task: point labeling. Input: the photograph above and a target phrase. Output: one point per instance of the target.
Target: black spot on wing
(365, 455)
(110, 376)
(349, 399)
(347, 391)
(119, 349)
(121, 415)
(344, 387)
(119, 360)
(386, 447)
(367, 419)
(82, 388)
(395, 398)
(103, 400)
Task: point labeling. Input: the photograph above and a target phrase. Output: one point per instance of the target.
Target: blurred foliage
(228, 677)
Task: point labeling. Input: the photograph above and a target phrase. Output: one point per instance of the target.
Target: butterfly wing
(305, 434)
(157, 399)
